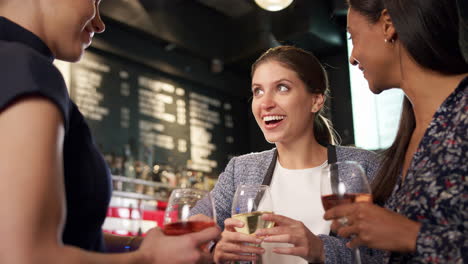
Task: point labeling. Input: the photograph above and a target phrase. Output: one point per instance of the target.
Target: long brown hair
(315, 77)
(428, 29)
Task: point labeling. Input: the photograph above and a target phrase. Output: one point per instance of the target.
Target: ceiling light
(273, 5)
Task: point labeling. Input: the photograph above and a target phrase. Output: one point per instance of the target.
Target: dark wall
(143, 48)
(123, 43)
(340, 108)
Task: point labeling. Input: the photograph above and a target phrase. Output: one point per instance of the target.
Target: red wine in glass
(182, 228)
(332, 200)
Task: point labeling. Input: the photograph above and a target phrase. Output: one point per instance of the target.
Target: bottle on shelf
(129, 169)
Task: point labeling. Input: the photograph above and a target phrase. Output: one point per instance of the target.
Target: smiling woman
(289, 87)
(55, 184)
(413, 45)
(300, 77)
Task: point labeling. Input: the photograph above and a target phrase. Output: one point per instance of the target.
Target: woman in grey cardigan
(289, 88)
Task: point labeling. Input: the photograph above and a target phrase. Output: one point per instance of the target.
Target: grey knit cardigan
(257, 168)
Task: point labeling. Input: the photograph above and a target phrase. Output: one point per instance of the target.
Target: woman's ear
(319, 101)
(388, 29)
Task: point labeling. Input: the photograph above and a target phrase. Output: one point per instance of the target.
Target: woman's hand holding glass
(238, 241)
(178, 221)
(287, 230)
(236, 246)
(375, 227)
(347, 196)
(159, 248)
(345, 183)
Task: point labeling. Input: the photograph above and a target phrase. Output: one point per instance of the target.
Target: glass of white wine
(343, 183)
(250, 202)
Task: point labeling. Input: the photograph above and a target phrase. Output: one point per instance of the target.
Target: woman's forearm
(118, 244)
(74, 255)
(52, 253)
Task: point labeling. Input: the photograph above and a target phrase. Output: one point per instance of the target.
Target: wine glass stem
(259, 260)
(357, 256)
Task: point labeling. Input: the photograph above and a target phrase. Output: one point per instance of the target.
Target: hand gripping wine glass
(177, 218)
(342, 183)
(250, 202)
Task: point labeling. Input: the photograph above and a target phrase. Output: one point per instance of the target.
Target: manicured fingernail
(258, 241)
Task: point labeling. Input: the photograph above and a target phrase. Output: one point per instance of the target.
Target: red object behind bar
(123, 212)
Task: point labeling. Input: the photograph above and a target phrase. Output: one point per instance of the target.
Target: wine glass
(343, 183)
(250, 202)
(178, 219)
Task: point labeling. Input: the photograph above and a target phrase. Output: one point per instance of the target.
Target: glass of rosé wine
(177, 218)
(344, 182)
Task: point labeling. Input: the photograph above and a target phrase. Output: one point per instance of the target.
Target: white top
(296, 194)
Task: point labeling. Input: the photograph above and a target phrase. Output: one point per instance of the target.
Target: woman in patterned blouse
(413, 44)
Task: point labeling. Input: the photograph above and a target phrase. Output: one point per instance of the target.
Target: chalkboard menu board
(163, 119)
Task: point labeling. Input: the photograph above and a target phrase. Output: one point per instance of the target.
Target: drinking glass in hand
(343, 183)
(250, 202)
(179, 221)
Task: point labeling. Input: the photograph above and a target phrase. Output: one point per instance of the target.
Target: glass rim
(189, 189)
(252, 186)
(345, 162)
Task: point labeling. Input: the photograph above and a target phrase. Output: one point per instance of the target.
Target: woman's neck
(427, 90)
(301, 154)
(31, 18)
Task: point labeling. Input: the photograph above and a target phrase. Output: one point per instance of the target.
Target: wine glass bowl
(178, 219)
(344, 183)
(250, 202)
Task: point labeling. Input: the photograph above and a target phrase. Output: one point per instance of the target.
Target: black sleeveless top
(26, 69)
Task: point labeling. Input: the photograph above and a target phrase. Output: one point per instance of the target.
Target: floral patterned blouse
(435, 191)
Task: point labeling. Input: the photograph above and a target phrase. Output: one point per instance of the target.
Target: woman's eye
(257, 91)
(283, 88)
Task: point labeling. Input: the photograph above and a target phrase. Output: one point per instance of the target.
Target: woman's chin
(374, 89)
(271, 139)
(72, 56)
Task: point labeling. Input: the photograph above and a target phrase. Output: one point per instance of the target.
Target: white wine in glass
(343, 183)
(250, 202)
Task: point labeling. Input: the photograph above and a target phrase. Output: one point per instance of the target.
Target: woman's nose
(353, 61)
(97, 23)
(267, 102)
